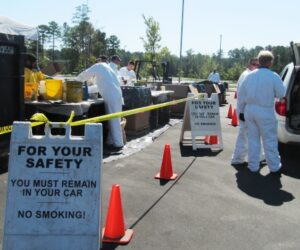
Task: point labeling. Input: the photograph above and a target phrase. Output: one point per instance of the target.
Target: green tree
(82, 44)
(81, 34)
(54, 33)
(72, 56)
(43, 37)
(69, 52)
(98, 45)
(65, 36)
(151, 42)
(282, 56)
(81, 14)
(113, 45)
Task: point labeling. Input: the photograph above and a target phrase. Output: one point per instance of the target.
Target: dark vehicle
(288, 108)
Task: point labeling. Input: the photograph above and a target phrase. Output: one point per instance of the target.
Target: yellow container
(53, 89)
(74, 91)
(30, 91)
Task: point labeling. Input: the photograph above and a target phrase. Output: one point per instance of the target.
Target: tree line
(79, 45)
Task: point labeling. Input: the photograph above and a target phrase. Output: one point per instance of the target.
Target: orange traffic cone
(235, 94)
(229, 114)
(234, 120)
(114, 231)
(166, 171)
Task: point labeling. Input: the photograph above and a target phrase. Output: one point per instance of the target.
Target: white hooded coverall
(214, 77)
(109, 88)
(241, 149)
(241, 145)
(128, 75)
(114, 67)
(257, 95)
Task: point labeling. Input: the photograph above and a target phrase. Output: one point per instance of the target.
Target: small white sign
(54, 194)
(205, 114)
(205, 118)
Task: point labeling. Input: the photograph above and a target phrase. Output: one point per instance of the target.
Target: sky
(207, 25)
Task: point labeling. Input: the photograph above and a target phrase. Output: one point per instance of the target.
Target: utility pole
(220, 52)
(181, 35)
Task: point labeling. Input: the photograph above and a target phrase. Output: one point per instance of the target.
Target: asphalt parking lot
(211, 205)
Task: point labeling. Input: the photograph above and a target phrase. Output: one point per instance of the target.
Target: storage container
(11, 84)
(30, 91)
(136, 97)
(161, 116)
(53, 89)
(74, 91)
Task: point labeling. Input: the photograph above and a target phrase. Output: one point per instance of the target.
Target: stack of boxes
(180, 92)
(137, 97)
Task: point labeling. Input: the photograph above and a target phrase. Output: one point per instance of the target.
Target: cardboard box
(137, 123)
(180, 91)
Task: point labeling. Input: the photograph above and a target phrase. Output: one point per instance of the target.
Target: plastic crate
(136, 97)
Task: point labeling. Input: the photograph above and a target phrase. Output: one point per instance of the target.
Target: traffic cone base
(173, 177)
(233, 124)
(123, 240)
(213, 139)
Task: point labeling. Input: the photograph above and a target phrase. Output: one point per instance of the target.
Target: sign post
(54, 190)
(202, 118)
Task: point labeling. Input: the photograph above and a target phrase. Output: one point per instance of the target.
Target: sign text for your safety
(63, 156)
(207, 104)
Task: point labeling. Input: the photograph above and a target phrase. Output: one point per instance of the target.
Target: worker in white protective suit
(115, 64)
(127, 74)
(241, 145)
(256, 105)
(214, 76)
(109, 88)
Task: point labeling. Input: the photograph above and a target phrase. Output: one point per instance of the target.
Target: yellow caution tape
(69, 121)
(132, 111)
(5, 129)
(8, 129)
(39, 118)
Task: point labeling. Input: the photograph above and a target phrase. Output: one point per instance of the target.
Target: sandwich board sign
(202, 119)
(53, 190)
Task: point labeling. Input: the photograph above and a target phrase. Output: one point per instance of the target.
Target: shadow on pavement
(109, 246)
(267, 188)
(290, 159)
(187, 151)
(163, 182)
